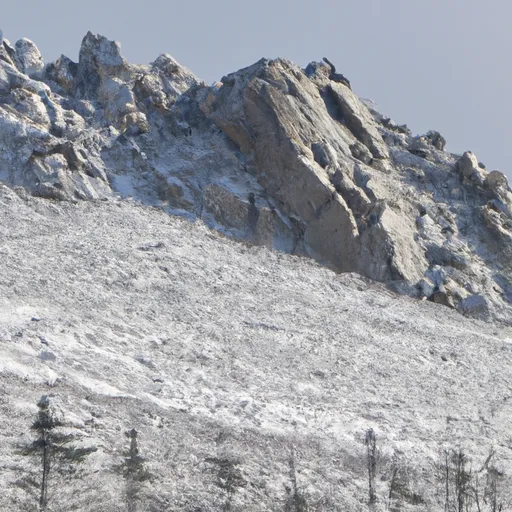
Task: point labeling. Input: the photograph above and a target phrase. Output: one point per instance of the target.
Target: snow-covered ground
(130, 318)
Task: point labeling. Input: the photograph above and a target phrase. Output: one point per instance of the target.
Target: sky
(431, 64)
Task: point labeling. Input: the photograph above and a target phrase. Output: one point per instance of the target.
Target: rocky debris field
(216, 350)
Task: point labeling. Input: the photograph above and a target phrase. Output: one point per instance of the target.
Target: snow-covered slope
(212, 348)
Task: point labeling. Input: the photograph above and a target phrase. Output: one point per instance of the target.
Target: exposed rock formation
(28, 58)
(281, 156)
(471, 173)
(334, 76)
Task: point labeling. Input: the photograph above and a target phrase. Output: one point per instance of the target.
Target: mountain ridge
(282, 156)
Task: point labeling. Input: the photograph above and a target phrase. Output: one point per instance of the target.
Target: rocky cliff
(281, 156)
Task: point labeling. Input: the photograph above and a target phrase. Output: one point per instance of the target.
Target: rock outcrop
(28, 58)
(274, 154)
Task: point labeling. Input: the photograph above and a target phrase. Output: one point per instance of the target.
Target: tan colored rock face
(275, 113)
(359, 120)
(280, 110)
(332, 236)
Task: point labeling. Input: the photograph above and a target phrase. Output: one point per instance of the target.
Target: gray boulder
(47, 356)
(469, 170)
(497, 185)
(62, 72)
(436, 139)
(28, 58)
(475, 306)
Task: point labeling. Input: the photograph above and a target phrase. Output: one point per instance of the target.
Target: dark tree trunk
(43, 499)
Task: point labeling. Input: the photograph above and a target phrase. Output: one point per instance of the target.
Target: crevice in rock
(332, 106)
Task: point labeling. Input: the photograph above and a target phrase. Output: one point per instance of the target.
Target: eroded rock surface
(273, 154)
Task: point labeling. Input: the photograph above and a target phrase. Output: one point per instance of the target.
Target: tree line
(460, 487)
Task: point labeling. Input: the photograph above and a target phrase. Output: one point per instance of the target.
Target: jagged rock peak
(107, 53)
(275, 154)
(62, 73)
(100, 60)
(25, 56)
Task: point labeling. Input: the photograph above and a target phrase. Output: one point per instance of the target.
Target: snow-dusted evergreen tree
(370, 442)
(134, 471)
(52, 446)
(296, 501)
(229, 478)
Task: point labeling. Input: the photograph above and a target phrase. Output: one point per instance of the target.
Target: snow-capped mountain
(120, 301)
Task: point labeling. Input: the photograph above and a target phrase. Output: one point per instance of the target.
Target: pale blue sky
(433, 64)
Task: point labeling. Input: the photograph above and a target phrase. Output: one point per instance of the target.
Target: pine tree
(297, 501)
(370, 442)
(52, 445)
(229, 477)
(134, 471)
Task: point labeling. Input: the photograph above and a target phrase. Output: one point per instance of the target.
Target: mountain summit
(329, 176)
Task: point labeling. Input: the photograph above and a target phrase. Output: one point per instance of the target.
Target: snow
(199, 335)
